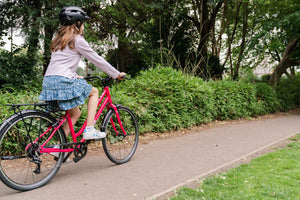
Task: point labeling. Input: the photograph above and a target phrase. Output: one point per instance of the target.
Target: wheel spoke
(22, 166)
(11, 157)
(119, 149)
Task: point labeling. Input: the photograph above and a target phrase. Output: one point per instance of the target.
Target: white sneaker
(56, 154)
(90, 133)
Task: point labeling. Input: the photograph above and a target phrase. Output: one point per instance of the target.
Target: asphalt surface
(161, 166)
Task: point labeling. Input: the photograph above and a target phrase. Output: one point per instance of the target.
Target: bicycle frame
(106, 103)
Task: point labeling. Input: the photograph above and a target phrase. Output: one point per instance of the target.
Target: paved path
(162, 165)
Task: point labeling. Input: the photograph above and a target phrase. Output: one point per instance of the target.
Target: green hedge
(288, 93)
(16, 97)
(165, 99)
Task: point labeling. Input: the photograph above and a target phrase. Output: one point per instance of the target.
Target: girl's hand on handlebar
(121, 76)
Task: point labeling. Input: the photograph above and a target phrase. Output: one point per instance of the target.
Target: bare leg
(90, 132)
(75, 114)
(92, 106)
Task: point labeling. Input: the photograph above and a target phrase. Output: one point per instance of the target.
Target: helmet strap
(78, 24)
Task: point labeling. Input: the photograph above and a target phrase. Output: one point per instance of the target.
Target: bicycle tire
(118, 148)
(18, 167)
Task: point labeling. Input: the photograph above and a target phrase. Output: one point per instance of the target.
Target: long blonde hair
(66, 36)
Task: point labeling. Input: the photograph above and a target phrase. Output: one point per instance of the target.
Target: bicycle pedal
(76, 159)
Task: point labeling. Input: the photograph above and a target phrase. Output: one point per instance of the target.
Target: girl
(61, 83)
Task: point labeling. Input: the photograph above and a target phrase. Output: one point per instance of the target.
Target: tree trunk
(214, 41)
(49, 30)
(34, 30)
(285, 62)
(33, 25)
(293, 74)
(232, 35)
(206, 24)
(47, 41)
(122, 52)
(222, 30)
(202, 46)
(243, 42)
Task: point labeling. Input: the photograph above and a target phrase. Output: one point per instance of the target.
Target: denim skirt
(65, 92)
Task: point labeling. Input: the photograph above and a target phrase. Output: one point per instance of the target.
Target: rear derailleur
(33, 156)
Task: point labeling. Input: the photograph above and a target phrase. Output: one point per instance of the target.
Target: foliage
(171, 33)
(16, 97)
(247, 75)
(265, 78)
(214, 68)
(288, 93)
(271, 176)
(17, 71)
(277, 25)
(267, 99)
(175, 100)
(166, 99)
(37, 20)
(122, 24)
(172, 101)
(183, 34)
(234, 100)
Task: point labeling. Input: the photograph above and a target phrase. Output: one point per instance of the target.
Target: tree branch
(214, 14)
(285, 62)
(295, 62)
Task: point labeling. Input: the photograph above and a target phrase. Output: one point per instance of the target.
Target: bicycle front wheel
(22, 166)
(118, 146)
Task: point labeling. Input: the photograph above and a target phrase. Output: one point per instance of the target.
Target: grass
(275, 175)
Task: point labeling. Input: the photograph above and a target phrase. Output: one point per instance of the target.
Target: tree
(187, 34)
(14, 70)
(18, 65)
(185, 29)
(204, 16)
(122, 24)
(232, 33)
(276, 35)
(290, 25)
(170, 35)
(38, 21)
(243, 40)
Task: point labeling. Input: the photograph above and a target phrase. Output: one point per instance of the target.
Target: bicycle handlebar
(89, 78)
(104, 81)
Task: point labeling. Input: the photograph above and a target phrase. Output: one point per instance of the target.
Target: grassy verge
(274, 175)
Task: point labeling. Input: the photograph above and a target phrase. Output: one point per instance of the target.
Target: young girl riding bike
(61, 84)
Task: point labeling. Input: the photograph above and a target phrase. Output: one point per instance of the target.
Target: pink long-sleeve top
(65, 62)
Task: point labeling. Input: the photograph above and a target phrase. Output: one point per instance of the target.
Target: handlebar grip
(123, 77)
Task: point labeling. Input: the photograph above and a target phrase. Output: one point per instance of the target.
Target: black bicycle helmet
(71, 15)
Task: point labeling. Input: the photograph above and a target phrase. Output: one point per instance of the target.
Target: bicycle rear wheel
(118, 147)
(22, 166)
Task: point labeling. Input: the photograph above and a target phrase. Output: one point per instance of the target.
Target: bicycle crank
(80, 151)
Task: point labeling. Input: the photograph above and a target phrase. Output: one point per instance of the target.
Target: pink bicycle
(33, 145)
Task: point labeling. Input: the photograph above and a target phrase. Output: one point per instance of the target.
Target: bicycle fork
(116, 111)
